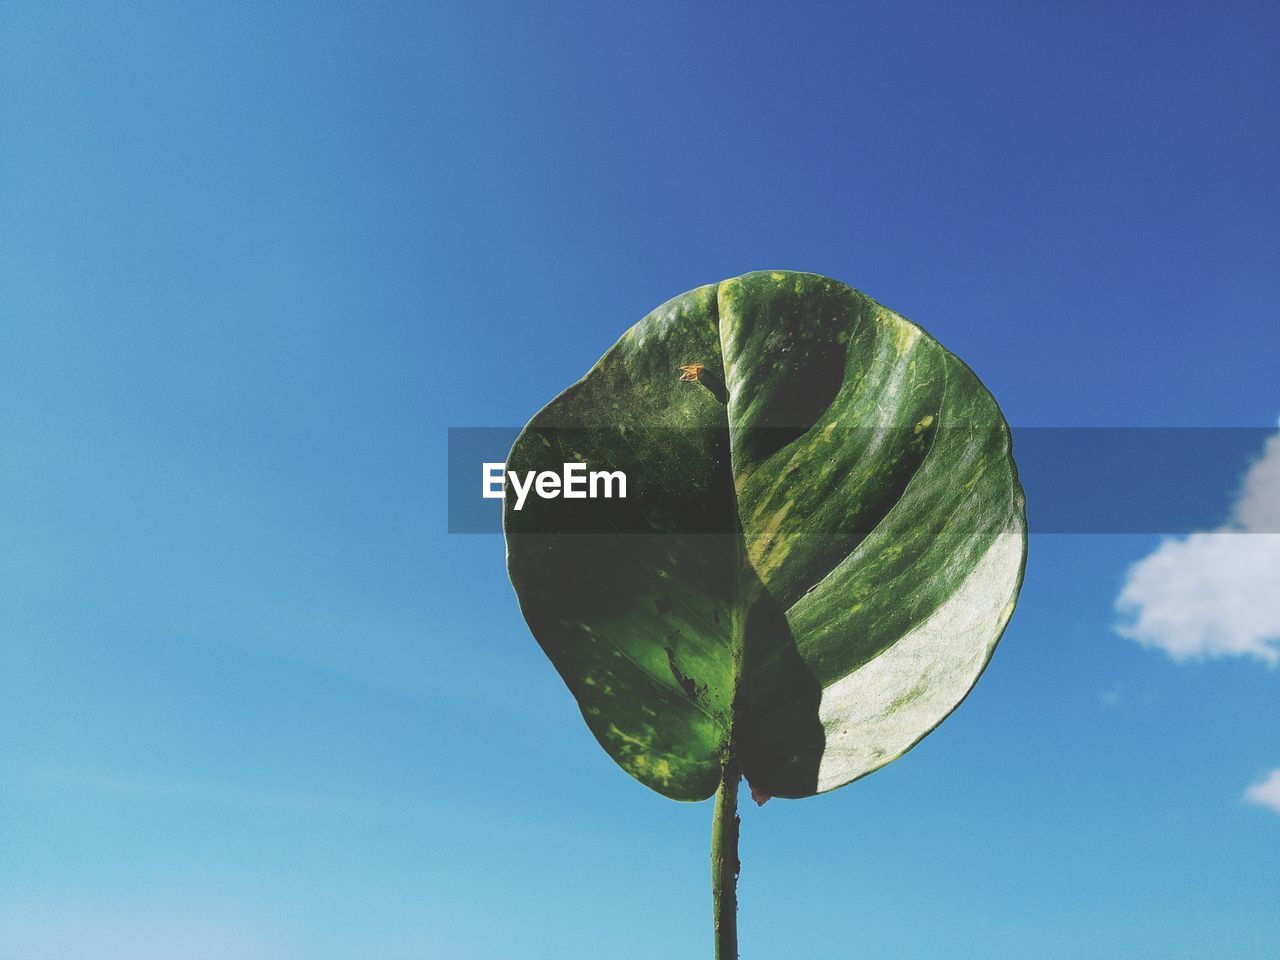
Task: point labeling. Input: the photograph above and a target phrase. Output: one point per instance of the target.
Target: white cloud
(1216, 593)
(1266, 793)
(1258, 508)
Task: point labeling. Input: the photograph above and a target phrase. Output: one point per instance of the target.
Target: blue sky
(256, 703)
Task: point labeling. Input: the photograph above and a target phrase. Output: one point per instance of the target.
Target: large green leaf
(822, 542)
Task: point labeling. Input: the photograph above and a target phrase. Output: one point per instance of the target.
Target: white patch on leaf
(885, 707)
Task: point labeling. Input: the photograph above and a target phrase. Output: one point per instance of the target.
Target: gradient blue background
(255, 259)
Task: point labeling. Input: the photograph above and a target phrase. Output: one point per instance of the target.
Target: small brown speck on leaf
(690, 372)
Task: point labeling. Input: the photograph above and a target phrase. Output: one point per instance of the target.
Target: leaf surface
(822, 541)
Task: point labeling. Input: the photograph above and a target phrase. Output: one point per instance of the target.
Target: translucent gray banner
(1167, 480)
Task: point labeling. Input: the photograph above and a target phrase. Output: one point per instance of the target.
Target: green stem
(725, 864)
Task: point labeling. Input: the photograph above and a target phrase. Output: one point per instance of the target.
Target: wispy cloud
(250, 797)
(74, 930)
(1214, 594)
(1266, 793)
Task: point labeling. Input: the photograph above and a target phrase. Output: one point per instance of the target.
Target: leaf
(822, 540)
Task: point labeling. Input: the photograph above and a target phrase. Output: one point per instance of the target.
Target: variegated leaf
(822, 542)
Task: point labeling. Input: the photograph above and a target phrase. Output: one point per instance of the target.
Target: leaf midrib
(737, 636)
